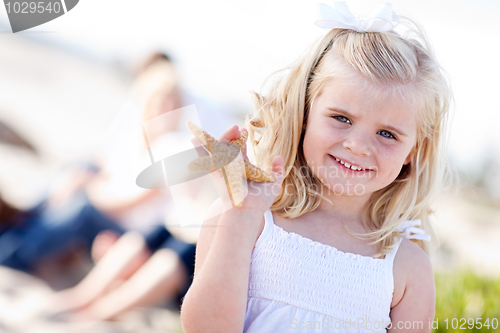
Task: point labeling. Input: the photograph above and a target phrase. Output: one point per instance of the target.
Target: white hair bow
(384, 19)
(408, 229)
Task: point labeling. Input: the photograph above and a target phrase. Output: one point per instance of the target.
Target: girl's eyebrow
(389, 127)
(350, 115)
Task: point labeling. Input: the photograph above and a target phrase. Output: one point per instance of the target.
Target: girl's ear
(410, 156)
(419, 146)
(408, 159)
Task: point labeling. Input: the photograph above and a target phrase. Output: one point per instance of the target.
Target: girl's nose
(358, 143)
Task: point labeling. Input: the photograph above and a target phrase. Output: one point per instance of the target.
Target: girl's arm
(217, 299)
(415, 311)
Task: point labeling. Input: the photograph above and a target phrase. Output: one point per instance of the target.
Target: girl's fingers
(231, 134)
(234, 133)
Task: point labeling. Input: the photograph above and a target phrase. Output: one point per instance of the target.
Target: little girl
(353, 135)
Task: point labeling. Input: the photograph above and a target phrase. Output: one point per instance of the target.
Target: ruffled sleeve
(409, 230)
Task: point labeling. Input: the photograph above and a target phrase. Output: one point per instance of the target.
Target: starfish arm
(257, 174)
(209, 163)
(235, 172)
(241, 141)
(204, 137)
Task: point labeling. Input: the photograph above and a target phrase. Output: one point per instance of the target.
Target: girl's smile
(359, 136)
(350, 166)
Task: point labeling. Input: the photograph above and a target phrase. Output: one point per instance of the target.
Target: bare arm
(415, 311)
(217, 299)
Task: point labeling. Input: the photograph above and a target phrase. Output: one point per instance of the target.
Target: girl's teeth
(347, 165)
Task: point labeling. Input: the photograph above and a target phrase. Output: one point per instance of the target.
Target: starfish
(223, 155)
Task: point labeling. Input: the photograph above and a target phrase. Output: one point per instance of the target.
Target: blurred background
(64, 83)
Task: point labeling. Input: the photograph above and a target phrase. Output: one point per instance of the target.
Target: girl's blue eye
(342, 119)
(387, 135)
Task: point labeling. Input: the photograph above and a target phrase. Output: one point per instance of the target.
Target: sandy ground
(467, 223)
(21, 311)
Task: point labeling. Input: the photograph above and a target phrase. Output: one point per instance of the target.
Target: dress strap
(389, 257)
(408, 229)
(268, 226)
(268, 217)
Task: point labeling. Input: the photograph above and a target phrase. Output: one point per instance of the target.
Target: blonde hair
(393, 64)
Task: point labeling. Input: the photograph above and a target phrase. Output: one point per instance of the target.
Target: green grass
(466, 297)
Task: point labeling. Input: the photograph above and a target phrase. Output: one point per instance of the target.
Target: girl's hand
(260, 196)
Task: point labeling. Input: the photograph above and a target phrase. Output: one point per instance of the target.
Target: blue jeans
(48, 232)
(160, 238)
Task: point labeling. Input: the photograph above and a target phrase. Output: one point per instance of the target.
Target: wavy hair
(402, 66)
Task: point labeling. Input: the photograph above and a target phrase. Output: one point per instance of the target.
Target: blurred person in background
(97, 205)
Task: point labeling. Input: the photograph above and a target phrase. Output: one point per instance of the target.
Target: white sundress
(292, 288)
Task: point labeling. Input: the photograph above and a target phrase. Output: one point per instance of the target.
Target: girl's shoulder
(412, 270)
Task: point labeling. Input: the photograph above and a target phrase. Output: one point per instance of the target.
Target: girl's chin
(347, 188)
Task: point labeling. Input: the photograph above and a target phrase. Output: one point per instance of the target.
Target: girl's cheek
(383, 151)
(389, 149)
(392, 153)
